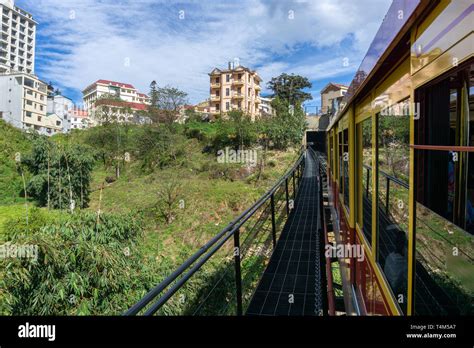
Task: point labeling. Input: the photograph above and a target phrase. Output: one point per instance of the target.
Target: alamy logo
(355, 251)
(237, 156)
(37, 331)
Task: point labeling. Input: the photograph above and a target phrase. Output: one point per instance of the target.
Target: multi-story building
(52, 124)
(266, 108)
(235, 88)
(107, 110)
(61, 106)
(23, 101)
(116, 90)
(79, 118)
(331, 97)
(17, 39)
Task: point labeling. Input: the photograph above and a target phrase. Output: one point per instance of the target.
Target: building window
(39, 118)
(218, 106)
(29, 114)
(227, 92)
(227, 106)
(227, 78)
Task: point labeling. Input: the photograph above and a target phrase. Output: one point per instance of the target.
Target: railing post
(294, 186)
(272, 203)
(387, 197)
(287, 198)
(238, 276)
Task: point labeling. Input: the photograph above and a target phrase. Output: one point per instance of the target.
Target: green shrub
(84, 266)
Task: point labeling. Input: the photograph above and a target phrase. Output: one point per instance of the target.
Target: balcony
(215, 98)
(258, 88)
(237, 95)
(238, 82)
(215, 85)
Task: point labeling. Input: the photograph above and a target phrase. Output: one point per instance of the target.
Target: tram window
(341, 155)
(444, 272)
(346, 167)
(393, 158)
(364, 192)
(445, 121)
(470, 170)
(331, 155)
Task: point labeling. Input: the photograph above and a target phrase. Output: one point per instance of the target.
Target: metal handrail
(192, 265)
(391, 177)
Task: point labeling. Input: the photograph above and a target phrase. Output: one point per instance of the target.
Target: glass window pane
(444, 269)
(470, 171)
(364, 154)
(341, 150)
(393, 154)
(346, 168)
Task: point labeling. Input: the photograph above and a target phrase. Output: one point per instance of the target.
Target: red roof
(76, 112)
(116, 84)
(143, 95)
(120, 103)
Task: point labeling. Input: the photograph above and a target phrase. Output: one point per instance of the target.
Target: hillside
(206, 196)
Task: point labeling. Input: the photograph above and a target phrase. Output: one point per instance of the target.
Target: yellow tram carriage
(401, 165)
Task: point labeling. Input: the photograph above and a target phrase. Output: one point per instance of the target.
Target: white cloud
(89, 39)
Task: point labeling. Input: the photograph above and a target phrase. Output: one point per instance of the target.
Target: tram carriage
(401, 165)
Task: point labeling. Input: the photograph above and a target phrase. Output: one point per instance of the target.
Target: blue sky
(179, 42)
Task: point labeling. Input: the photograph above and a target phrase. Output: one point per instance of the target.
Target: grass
(209, 204)
(211, 200)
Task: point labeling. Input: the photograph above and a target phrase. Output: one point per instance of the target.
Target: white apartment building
(266, 108)
(120, 90)
(61, 106)
(23, 102)
(17, 39)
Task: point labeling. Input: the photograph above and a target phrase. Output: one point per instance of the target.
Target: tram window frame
(367, 233)
(449, 94)
(392, 241)
(429, 132)
(340, 166)
(345, 174)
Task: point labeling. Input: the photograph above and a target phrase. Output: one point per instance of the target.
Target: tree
(165, 103)
(153, 94)
(168, 196)
(61, 175)
(111, 142)
(238, 131)
(290, 88)
(286, 127)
